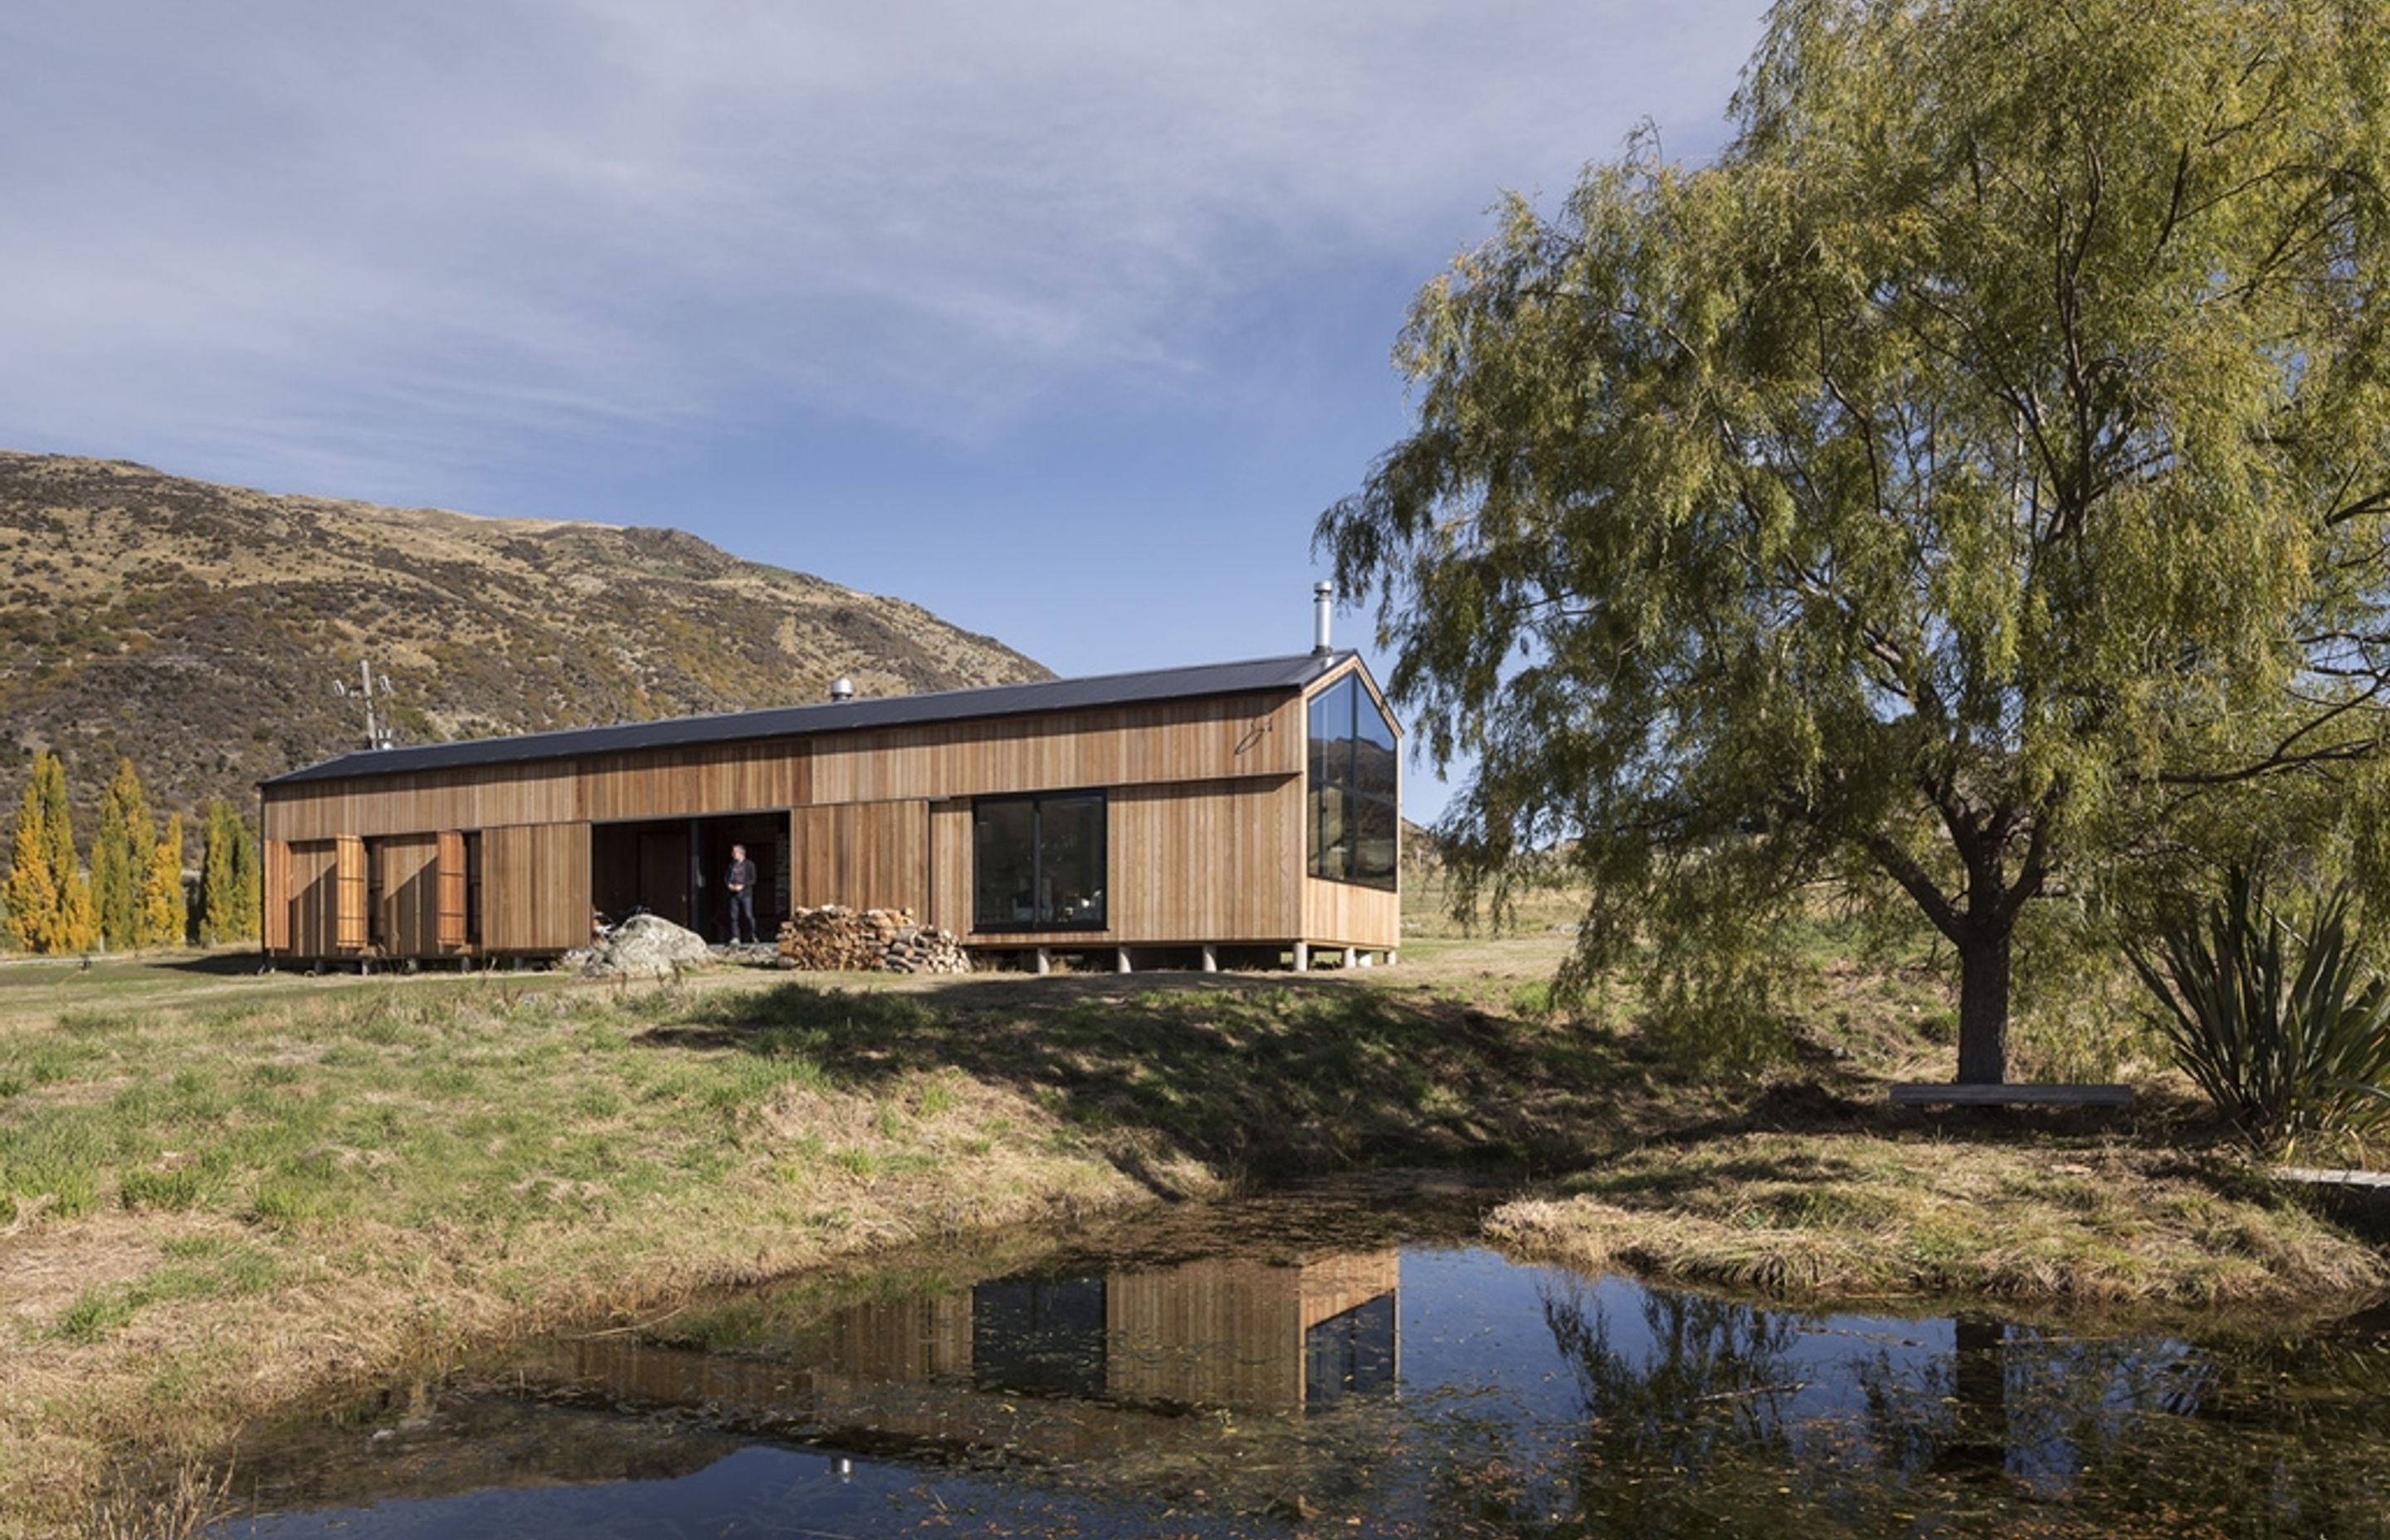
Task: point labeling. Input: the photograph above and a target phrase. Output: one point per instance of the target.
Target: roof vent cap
(841, 689)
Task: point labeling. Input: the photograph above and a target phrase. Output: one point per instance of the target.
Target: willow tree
(1983, 456)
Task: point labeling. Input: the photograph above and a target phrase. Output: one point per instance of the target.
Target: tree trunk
(1978, 1440)
(1983, 1010)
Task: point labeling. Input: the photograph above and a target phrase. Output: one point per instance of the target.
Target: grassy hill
(199, 628)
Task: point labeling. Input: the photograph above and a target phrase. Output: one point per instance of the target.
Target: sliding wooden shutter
(535, 888)
(451, 865)
(349, 903)
(273, 887)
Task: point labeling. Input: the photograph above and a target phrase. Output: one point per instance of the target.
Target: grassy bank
(2038, 1223)
(216, 1206)
(220, 1194)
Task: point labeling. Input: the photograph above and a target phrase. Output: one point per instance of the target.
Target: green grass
(385, 1103)
(395, 1166)
(174, 1189)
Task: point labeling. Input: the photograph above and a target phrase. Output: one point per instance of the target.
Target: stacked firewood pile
(836, 938)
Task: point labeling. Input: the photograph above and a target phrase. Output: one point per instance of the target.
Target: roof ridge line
(1287, 671)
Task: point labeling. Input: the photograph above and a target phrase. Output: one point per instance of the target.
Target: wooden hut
(1238, 812)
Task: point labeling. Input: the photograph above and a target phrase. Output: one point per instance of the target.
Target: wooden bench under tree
(1912, 1094)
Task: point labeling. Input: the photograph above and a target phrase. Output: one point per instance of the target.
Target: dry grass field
(223, 1194)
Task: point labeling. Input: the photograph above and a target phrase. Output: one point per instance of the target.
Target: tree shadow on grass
(1266, 1077)
(1275, 1076)
(215, 965)
(1839, 1101)
(1648, 1187)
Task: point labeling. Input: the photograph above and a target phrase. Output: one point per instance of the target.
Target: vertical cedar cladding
(407, 877)
(449, 864)
(274, 894)
(311, 909)
(536, 879)
(684, 782)
(867, 855)
(1216, 861)
(349, 921)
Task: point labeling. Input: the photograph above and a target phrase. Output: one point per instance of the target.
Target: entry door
(761, 837)
(663, 873)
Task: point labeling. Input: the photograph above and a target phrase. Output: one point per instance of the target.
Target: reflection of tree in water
(2282, 1436)
(1680, 1432)
(1715, 1373)
(1951, 1417)
(1693, 1430)
(2141, 1435)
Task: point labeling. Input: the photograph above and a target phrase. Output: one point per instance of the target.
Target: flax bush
(2284, 1023)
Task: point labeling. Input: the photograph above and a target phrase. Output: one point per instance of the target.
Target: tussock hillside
(199, 628)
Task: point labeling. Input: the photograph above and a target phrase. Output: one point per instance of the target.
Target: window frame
(1036, 801)
(1344, 781)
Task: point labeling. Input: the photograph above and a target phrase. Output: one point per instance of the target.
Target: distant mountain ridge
(199, 629)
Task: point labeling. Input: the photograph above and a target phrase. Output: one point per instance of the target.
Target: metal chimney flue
(1323, 606)
(841, 689)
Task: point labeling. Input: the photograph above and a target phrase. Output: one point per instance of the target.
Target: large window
(1351, 809)
(1039, 1337)
(1350, 1354)
(1038, 863)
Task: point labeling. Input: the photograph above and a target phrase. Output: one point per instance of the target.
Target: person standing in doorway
(739, 881)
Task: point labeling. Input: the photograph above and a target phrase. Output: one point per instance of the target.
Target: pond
(1340, 1362)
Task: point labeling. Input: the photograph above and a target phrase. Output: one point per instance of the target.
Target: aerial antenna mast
(368, 684)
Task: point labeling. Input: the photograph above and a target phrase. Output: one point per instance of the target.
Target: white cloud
(410, 229)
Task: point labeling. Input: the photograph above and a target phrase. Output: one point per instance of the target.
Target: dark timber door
(663, 873)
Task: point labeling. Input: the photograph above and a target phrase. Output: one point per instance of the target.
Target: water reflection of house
(1058, 1367)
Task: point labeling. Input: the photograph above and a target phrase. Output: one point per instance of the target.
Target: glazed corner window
(1352, 807)
(1038, 863)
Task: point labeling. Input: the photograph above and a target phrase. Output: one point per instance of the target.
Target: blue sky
(1064, 320)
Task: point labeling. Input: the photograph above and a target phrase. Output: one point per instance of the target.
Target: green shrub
(2287, 1030)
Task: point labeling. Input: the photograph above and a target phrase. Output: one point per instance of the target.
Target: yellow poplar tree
(165, 917)
(49, 898)
(78, 925)
(33, 889)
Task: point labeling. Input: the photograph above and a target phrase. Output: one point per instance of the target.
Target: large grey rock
(645, 947)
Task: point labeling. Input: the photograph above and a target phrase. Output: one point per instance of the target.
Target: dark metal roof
(838, 716)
